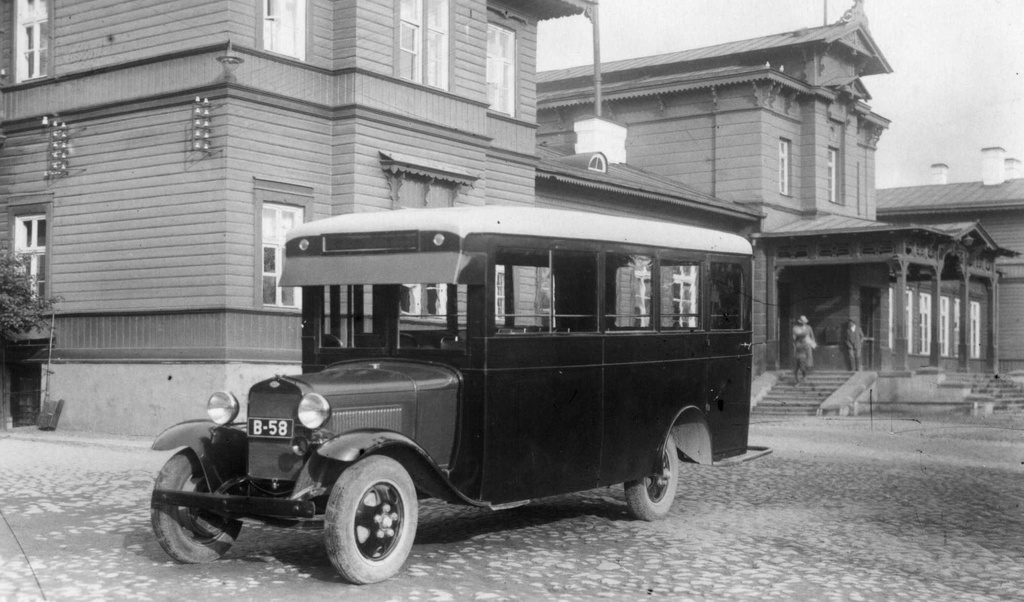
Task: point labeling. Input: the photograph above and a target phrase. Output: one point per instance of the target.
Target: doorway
(871, 325)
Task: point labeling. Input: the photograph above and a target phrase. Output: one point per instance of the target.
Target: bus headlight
(222, 407)
(314, 410)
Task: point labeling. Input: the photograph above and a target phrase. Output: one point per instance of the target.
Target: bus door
(729, 363)
(543, 376)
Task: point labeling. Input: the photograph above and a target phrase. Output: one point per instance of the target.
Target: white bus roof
(531, 221)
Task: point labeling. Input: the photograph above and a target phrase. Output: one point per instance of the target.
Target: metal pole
(596, 22)
(825, 10)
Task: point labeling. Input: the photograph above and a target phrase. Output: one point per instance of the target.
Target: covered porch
(923, 296)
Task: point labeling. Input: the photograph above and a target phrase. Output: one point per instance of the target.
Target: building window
(784, 150)
(501, 69)
(944, 326)
(956, 327)
(277, 221)
(284, 27)
(32, 38)
(30, 243)
(423, 42)
(833, 175)
(975, 329)
(499, 293)
(925, 313)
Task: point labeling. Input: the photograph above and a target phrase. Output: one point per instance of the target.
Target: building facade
(997, 202)
(157, 152)
(781, 124)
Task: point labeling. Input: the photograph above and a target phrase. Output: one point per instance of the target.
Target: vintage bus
(482, 355)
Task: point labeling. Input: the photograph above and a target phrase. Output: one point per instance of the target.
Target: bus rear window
(726, 296)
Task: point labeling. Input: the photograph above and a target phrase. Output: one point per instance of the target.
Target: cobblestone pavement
(842, 510)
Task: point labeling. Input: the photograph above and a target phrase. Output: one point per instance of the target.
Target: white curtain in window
(284, 27)
(32, 32)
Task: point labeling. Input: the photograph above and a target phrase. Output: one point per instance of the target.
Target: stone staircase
(787, 398)
(1007, 394)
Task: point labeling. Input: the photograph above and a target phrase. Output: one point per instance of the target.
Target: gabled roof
(961, 197)
(852, 34)
(838, 225)
(624, 179)
(648, 86)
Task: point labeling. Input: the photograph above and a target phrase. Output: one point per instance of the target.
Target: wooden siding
(270, 143)
(224, 336)
(97, 33)
(135, 225)
(510, 182)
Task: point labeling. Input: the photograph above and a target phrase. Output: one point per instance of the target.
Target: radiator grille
(382, 418)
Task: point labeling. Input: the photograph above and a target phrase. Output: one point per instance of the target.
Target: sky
(958, 66)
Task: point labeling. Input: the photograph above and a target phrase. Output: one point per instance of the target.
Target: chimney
(993, 166)
(594, 134)
(1013, 168)
(940, 173)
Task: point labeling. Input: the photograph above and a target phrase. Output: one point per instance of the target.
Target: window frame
(956, 326)
(832, 168)
(43, 54)
(924, 312)
(424, 57)
(512, 63)
(37, 254)
(944, 326)
(267, 192)
(974, 316)
(305, 48)
(784, 167)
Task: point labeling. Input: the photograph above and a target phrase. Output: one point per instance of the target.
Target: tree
(21, 311)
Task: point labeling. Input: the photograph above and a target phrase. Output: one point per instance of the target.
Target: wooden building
(155, 153)
(781, 124)
(157, 150)
(997, 202)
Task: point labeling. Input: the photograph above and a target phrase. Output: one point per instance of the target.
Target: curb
(80, 438)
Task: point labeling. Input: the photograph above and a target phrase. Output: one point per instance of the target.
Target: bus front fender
(428, 476)
(221, 450)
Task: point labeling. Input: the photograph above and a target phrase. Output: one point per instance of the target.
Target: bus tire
(650, 497)
(371, 520)
(188, 535)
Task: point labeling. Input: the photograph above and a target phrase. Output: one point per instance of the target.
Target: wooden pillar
(964, 359)
(772, 327)
(935, 351)
(899, 314)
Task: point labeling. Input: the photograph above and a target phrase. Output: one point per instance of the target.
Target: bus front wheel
(650, 497)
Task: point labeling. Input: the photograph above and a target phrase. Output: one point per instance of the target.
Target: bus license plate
(270, 427)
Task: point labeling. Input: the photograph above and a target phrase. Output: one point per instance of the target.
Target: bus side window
(680, 295)
(627, 293)
(726, 296)
(543, 291)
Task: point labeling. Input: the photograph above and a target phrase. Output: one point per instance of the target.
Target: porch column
(934, 353)
(771, 326)
(993, 324)
(964, 358)
(899, 314)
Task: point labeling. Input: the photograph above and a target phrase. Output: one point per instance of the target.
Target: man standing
(853, 339)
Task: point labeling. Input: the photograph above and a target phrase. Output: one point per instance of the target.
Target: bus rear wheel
(650, 497)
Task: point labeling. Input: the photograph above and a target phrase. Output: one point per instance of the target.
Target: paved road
(842, 510)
